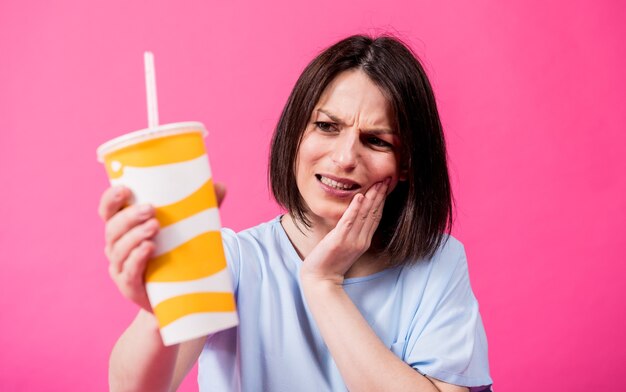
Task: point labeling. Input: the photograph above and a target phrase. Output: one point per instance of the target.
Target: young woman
(357, 286)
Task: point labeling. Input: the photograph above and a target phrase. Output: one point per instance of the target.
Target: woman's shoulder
(448, 259)
(449, 252)
(449, 249)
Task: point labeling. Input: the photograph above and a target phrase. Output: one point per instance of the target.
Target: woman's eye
(325, 126)
(378, 142)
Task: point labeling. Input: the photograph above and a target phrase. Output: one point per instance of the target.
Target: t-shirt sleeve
(232, 253)
(448, 340)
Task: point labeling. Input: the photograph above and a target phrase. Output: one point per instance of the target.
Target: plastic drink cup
(187, 281)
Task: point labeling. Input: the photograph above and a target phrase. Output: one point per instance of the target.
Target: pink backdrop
(532, 99)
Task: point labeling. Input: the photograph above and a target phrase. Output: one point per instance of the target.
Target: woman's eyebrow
(331, 116)
(377, 131)
(384, 131)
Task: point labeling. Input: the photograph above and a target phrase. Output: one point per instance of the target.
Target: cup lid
(149, 133)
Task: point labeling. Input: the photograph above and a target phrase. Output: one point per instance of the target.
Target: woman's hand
(364, 361)
(331, 259)
(129, 240)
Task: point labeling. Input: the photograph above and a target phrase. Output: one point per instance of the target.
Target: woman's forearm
(365, 363)
(139, 361)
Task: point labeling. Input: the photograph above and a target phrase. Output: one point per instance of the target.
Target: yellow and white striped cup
(187, 280)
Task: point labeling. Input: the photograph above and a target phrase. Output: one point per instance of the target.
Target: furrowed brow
(380, 131)
(383, 131)
(331, 116)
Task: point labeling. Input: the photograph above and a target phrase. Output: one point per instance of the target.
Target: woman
(357, 286)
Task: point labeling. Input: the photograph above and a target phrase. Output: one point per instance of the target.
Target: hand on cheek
(342, 246)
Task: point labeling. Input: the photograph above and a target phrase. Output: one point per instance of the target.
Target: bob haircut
(418, 213)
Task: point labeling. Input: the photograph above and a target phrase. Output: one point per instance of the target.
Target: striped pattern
(187, 280)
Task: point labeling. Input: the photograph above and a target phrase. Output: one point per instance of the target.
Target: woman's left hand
(331, 259)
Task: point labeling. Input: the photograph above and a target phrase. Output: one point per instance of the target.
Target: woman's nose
(345, 151)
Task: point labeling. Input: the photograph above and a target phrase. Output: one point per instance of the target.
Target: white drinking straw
(151, 95)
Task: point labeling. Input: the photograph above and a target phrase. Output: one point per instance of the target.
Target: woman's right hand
(129, 233)
(129, 240)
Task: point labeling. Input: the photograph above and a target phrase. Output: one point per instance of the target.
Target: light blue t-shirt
(425, 313)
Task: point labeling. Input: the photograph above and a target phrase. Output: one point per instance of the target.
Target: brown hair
(418, 213)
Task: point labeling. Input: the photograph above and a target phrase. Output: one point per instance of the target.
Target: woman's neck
(304, 239)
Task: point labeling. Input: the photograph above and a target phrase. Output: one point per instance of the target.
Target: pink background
(531, 95)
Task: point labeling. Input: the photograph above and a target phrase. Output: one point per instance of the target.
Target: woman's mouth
(340, 184)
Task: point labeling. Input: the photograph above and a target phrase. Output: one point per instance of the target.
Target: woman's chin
(328, 218)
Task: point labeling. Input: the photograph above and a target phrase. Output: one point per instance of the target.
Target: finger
(125, 220)
(220, 192)
(378, 199)
(350, 215)
(362, 228)
(116, 268)
(376, 212)
(135, 265)
(365, 211)
(112, 200)
(121, 249)
(130, 281)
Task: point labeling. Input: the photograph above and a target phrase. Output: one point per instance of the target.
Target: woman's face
(349, 144)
